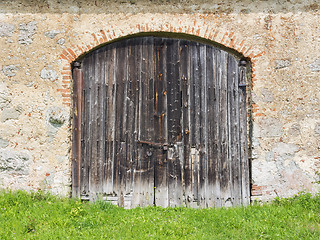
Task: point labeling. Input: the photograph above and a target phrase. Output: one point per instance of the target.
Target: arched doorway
(160, 121)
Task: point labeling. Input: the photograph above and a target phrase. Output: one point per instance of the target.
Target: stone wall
(39, 39)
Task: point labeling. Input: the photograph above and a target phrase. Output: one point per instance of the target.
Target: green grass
(42, 216)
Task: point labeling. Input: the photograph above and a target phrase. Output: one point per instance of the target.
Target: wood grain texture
(77, 129)
(163, 122)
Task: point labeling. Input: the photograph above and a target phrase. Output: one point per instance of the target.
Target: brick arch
(228, 39)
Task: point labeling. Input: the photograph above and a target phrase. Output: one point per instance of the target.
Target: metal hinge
(242, 77)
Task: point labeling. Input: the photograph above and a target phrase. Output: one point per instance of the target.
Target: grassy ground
(42, 216)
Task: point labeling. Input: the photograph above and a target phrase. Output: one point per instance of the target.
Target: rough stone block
(61, 41)
(27, 30)
(47, 73)
(270, 127)
(10, 113)
(4, 100)
(267, 95)
(315, 66)
(294, 130)
(6, 29)
(10, 70)
(56, 116)
(284, 151)
(14, 162)
(51, 34)
(3, 143)
(282, 63)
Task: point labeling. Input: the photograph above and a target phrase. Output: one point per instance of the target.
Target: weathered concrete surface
(39, 39)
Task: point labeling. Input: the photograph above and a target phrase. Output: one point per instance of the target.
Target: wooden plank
(234, 146)
(173, 91)
(144, 171)
(203, 126)
(110, 119)
(124, 132)
(160, 124)
(187, 166)
(147, 111)
(93, 168)
(84, 127)
(131, 136)
(245, 184)
(174, 122)
(99, 135)
(137, 168)
(120, 75)
(215, 153)
(77, 130)
(87, 130)
(195, 123)
(223, 132)
(210, 127)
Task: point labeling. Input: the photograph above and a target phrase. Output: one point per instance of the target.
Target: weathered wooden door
(160, 121)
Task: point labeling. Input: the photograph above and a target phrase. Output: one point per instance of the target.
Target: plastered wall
(39, 40)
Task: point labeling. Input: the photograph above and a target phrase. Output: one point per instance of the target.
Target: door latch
(164, 146)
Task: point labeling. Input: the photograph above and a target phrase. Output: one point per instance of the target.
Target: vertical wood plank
(119, 168)
(87, 133)
(223, 133)
(211, 121)
(203, 125)
(245, 184)
(174, 122)
(138, 198)
(234, 141)
(195, 118)
(160, 124)
(131, 121)
(110, 119)
(217, 136)
(147, 119)
(124, 132)
(144, 171)
(83, 126)
(186, 78)
(77, 130)
(99, 134)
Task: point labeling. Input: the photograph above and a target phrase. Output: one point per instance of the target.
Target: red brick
(259, 115)
(67, 67)
(63, 90)
(67, 104)
(95, 38)
(215, 34)
(63, 57)
(232, 42)
(65, 72)
(226, 34)
(104, 36)
(242, 42)
(72, 53)
(259, 54)
(66, 95)
(65, 81)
